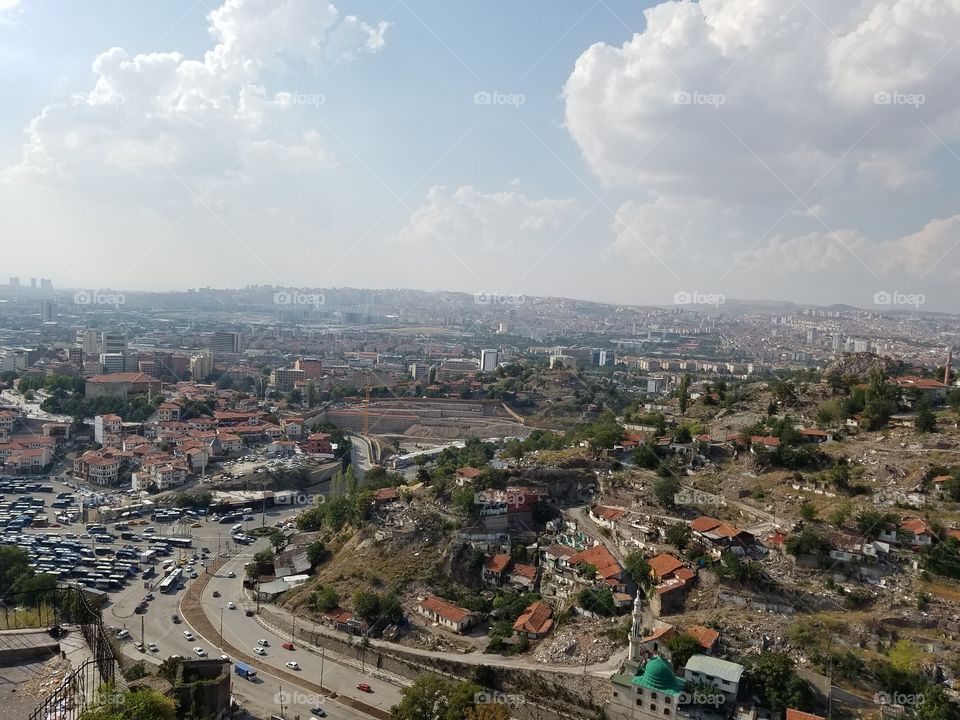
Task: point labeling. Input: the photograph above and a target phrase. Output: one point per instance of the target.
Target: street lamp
(221, 627)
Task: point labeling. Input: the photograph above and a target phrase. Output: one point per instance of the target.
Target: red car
(287, 646)
(366, 688)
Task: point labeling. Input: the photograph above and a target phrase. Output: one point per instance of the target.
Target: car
(123, 634)
(293, 665)
(263, 643)
(259, 651)
(364, 688)
(152, 647)
(188, 635)
(176, 619)
(248, 613)
(231, 574)
(231, 605)
(287, 646)
(148, 597)
(226, 658)
(193, 575)
(200, 652)
(139, 646)
(319, 711)
(216, 593)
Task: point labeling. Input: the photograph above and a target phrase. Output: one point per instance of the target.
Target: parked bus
(180, 542)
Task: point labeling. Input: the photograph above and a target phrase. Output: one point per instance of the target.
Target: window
(653, 707)
(667, 700)
(666, 711)
(653, 696)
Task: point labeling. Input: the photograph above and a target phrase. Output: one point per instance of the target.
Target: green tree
(871, 522)
(638, 567)
(679, 536)
(463, 500)
(317, 552)
(829, 413)
(926, 421)
(808, 512)
(664, 489)
(773, 677)
(808, 541)
(645, 456)
(432, 697)
(682, 647)
(366, 604)
(683, 393)
(144, 704)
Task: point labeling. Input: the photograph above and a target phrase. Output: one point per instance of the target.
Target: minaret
(946, 370)
(636, 628)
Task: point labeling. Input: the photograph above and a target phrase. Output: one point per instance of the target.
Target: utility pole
(221, 628)
(141, 629)
(323, 652)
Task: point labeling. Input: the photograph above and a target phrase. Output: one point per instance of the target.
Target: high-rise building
(488, 360)
(284, 379)
(225, 342)
(47, 312)
(87, 341)
(201, 366)
(113, 343)
(14, 282)
(112, 363)
(33, 283)
(46, 284)
(607, 358)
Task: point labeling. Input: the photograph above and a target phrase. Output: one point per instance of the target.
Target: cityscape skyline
(591, 150)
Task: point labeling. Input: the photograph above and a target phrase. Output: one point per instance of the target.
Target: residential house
(719, 536)
(606, 516)
(816, 435)
(534, 622)
(523, 577)
(100, 467)
(921, 533)
(106, 425)
(29, 460)
(467, 475)
(446, 614)
(495, 569)
(723, 675)
(318, 444)
(672, 581)
(168, 411)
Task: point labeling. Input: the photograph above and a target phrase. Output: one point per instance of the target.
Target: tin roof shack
(202, 687)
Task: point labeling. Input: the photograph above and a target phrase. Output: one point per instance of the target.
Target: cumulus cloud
(761, 118)
(501, 221)
(164, 115)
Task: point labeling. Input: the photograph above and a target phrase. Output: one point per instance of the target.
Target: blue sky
(630, 150)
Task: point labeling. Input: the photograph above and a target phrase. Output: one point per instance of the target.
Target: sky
(626, 151)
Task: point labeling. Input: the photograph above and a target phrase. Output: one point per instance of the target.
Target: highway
(262, 694)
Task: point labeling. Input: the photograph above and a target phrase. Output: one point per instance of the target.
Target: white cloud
(723, 115)
(501, 221)
(163, 116)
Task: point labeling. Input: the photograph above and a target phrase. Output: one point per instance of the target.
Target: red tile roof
(445, 609)
(707, 637)
(497, 564)
(664, 565)
(535, 619)
(598, 556)
(800, 715)
(526, 571)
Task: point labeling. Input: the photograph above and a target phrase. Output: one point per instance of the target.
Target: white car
(293, 665)
(226, 658)
(123, 634)
(188, 635)
(259, 651)
(200, 652)
(231, 605)
(152, 647)
(263, 643)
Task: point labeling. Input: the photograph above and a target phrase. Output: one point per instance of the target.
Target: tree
(638, 567)
(807, 542)
(327, 599)
(683, 393)
(645, 456)
(774, 679)
(829, 413)
(435, 698)
(488, 711)
(317, 552)
(936, 705)
(664, 489)
(597, 600)
(144, 704)
(277, 539)
(808, 512)
(679, 535)
(905, 656)
(871, 522)
(926, 421)
(682, 647)
(839, 513)
(463, 500)
(366, 604)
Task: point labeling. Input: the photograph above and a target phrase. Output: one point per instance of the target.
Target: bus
(180, 542)
(169, 583)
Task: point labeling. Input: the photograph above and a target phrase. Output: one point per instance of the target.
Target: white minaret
(636, 629)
